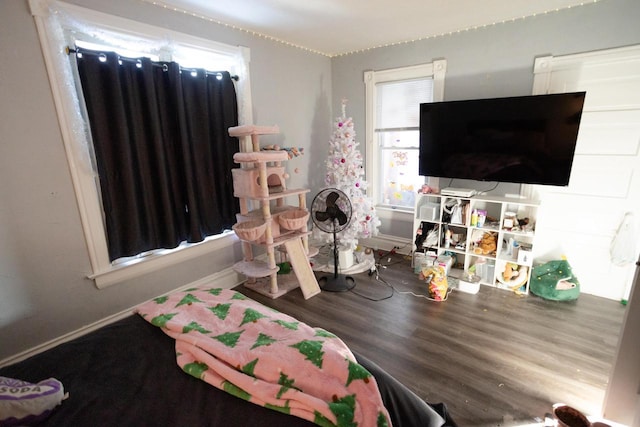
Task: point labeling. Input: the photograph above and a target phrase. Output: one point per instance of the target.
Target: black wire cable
(376, 299)
(393, 289)
(376, 271)
(492, 188)
(377, 267)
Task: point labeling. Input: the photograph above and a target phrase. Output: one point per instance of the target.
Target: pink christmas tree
(345, 172)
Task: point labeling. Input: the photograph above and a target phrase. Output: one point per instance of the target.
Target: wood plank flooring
(495, 358)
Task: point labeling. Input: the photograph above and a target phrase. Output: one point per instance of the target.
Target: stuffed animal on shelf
(514, 275)
(425, 189)
(291, 151)
(486, 245)
(510, 270)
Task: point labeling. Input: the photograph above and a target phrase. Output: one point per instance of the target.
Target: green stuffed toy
(554, 280)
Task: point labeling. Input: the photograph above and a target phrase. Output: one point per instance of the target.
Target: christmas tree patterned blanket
(267, 357)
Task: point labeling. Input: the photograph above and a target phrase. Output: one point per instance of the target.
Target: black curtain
(163, 152)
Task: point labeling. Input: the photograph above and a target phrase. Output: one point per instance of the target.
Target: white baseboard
(226, 279)
(387, 242)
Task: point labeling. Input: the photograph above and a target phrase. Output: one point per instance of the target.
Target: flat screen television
(523, 139)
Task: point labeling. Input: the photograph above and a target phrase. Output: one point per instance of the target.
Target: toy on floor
(23, 403)
(554, 280)
(436, 279)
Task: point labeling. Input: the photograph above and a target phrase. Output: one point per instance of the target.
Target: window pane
(399, 138)
(398, 103)
(398, 107)
(399, 178)
(200, 58)
(127, 53)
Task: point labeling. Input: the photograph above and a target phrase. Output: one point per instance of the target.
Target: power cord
(378, 279)
(379, 266)
(394, 290)
(491, 189)
(449, 290)
(376, 270)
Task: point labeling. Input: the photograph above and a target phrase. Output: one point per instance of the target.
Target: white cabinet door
(581, 220)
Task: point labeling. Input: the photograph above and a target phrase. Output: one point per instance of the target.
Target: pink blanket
(267, 357)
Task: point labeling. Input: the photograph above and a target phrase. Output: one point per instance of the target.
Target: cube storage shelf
(491, 237)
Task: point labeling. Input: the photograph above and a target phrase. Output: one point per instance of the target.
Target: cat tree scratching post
(274, 225)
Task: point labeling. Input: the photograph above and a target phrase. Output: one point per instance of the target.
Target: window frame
(76, 137)
(435, 70)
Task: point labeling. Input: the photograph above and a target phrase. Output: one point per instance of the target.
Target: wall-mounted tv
(524, 139)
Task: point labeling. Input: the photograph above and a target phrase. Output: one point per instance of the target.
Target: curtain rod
(68, 50)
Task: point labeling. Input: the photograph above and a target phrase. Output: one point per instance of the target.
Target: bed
(126, 374)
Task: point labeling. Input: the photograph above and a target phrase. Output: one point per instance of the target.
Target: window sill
(130, 269)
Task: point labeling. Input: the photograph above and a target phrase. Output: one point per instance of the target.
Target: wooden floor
(495, 358)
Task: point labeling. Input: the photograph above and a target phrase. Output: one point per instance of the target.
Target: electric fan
(331, 212)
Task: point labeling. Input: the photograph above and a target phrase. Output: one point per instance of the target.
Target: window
(393, 98)
(60, 24)
(161, 147)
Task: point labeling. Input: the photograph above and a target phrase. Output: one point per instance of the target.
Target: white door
(581, 221)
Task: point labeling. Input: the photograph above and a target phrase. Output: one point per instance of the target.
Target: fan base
(337, 283)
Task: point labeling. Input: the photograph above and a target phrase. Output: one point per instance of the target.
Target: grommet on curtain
(165, 67)
(102, 57)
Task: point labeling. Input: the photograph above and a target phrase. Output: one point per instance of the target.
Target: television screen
(525, 139)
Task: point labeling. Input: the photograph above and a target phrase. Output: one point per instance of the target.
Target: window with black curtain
(162, 149)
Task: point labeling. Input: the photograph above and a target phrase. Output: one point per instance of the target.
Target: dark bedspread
(125, 374)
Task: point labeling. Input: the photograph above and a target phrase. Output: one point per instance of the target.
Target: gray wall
(44, 292)
(490, 62)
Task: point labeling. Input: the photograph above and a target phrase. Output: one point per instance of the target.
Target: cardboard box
(525, 255)
(446, 262)
(429, 211)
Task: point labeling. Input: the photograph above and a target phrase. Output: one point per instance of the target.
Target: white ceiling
(335, 27)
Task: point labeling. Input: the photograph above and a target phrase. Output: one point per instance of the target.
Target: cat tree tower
(265, 221)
